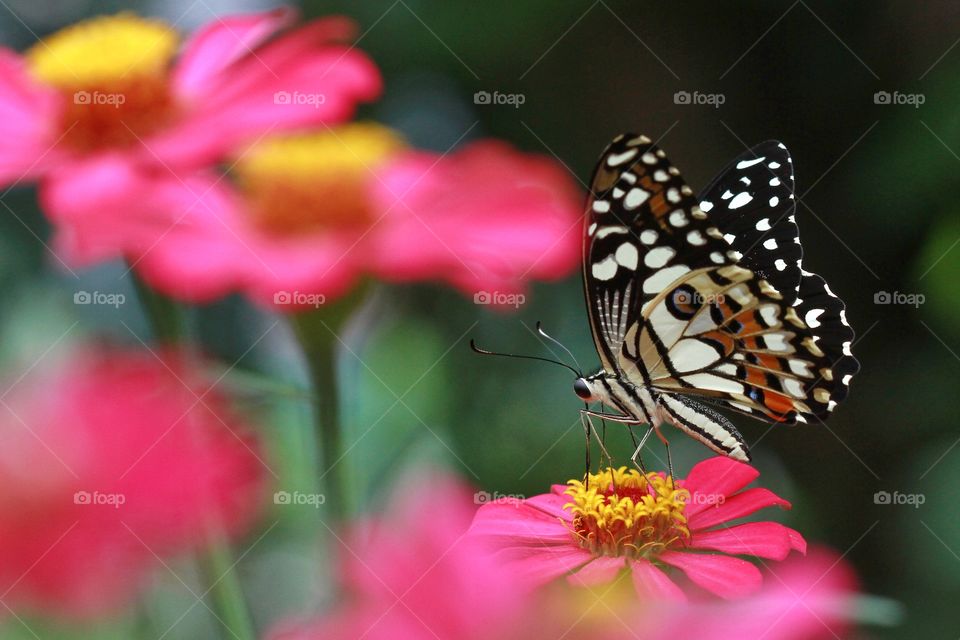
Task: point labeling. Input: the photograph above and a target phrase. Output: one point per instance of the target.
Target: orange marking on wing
(778, 403)
(724, 339)
(658, 205)
(756, 377)
(768, 361)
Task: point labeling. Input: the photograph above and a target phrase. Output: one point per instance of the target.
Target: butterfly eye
(582, 388)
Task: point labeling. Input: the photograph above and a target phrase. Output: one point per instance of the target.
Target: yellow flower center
(305, 182)
(114, 74)
(621, 512)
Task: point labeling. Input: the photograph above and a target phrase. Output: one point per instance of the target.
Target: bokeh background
(877, 185)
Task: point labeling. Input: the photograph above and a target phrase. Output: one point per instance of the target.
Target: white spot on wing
(635, 198)
(605, 269)
(662, 278)
(811, 318)
(741, 199)
(658, 257)
(627, 256)
(615, 159)
(678, 218)
(743, 164)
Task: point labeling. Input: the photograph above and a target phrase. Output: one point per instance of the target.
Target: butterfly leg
(636, 458)
(586, 414)
(588, 430)
(667, 447)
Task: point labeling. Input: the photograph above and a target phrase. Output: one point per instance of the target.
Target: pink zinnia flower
(306, 215)
(110, 460)
(622, 520)
(121, 88)
(413, 573)
(810, 598)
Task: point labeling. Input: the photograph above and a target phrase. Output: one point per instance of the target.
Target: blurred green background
(878, 212)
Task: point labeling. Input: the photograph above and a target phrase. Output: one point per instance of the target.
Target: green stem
(228, 599)
(162, 312)
(216, 561)
(318, 334)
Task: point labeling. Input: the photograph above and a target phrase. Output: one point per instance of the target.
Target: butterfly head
(589, 389)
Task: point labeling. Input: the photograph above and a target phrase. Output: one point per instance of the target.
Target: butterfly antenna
(558, 343)
(485, 352)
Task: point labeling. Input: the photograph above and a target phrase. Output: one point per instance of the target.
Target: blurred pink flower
(622, 520)
(309, 214)
(810, 598)
(121, 89)
(110, 460)
(411, 573)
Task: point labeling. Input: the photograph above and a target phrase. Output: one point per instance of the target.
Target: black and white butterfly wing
(752, 202)
(671, 307)
(643, 229)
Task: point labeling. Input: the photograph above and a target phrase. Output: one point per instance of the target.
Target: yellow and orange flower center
(621, 512)
(114, 74)
(301, 183)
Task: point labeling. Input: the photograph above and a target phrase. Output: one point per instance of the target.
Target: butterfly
(701, 302)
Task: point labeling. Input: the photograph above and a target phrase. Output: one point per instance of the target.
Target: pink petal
(598, 571)
(221, 43)
(653, 584)
(28, 121)
(486, 217)
(241, 104)
(541, 564)
(725, 576)
(762, 539)
(736, 506)
(715, 477)
(510, 523)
